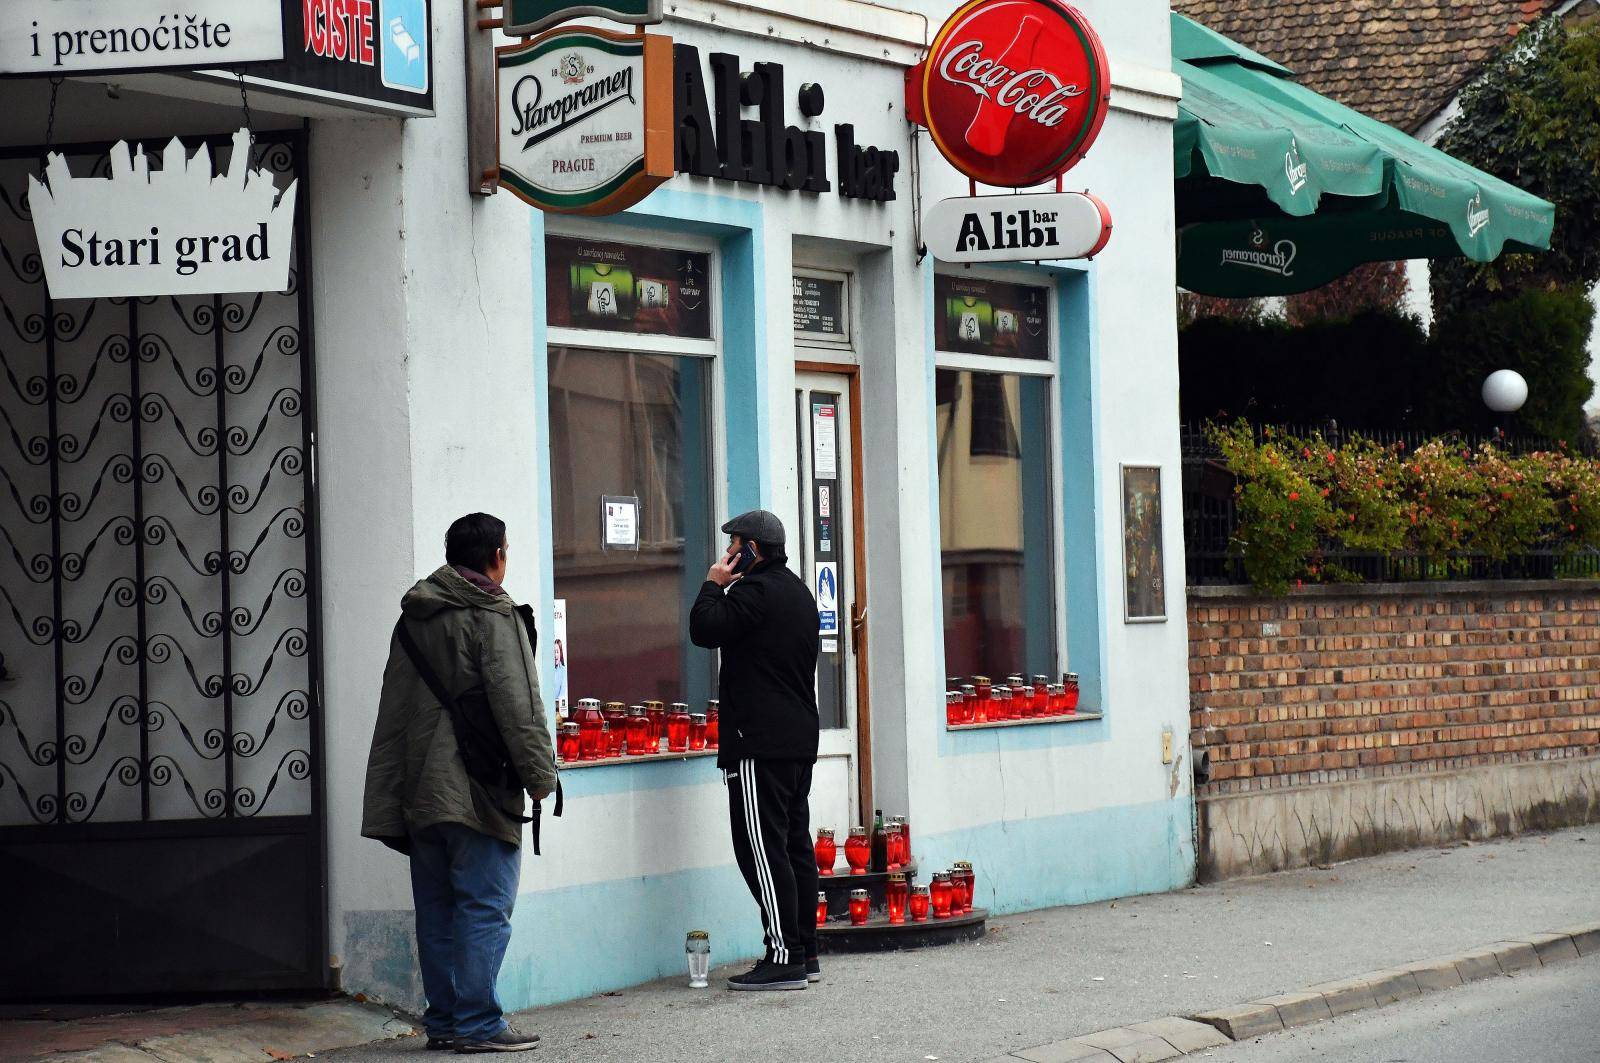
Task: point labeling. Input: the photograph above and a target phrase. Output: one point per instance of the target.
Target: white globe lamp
(1504, 391)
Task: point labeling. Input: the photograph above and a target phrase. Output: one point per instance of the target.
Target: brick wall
(1336, 684)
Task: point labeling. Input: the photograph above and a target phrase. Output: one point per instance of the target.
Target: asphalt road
(1550, 1015)
(1045, 976)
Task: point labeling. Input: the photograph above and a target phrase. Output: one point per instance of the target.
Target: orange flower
(1294, 496)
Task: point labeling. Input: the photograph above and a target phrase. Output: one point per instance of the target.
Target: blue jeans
(464, 884)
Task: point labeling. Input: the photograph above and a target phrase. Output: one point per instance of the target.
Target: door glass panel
(826, 544)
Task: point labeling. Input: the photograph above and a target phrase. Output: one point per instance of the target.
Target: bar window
(630, 446)
(995, 519)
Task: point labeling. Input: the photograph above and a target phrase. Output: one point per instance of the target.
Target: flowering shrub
(1303, 502)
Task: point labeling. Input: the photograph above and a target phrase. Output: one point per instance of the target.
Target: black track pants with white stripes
(769, 805)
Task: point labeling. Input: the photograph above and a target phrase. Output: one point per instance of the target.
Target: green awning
(1280, 190)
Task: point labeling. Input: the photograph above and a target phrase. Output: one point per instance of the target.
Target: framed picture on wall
(1144, 598)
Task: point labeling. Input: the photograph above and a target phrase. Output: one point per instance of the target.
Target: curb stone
(1173, 1036)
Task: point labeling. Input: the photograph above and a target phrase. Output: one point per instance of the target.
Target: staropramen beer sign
(585, 119)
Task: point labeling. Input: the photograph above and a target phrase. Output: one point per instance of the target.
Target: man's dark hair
(473, 540)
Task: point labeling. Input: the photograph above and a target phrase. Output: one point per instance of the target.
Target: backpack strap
(447, 701)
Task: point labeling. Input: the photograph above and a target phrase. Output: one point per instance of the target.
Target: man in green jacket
(463, 837)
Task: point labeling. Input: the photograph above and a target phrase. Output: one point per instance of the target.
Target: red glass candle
(858, 850)
(894, 846)
(1055, 700)
(638, 727)
(969, 702)
(822, 908)
(1000, 704)
(589, 720)
(1021, 701)
(940, 894)
(983, 686)
(616, 714)
(713, 709)
(826, 850)
(860, 907)
(656, 712)
(952, 708)
(569, 746)
(602, 744)
(897, 893)
(1041, 695)
(905, 839)
(919, 904)
(678, 728)
(697, 730)
(983, 706)
(961, 876)
(1070, 682)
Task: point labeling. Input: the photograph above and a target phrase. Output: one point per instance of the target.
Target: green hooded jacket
(415, 777)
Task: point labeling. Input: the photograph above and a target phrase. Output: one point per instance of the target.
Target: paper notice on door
(827, 588)
(824, 441)
(619, 520)
(558, 657)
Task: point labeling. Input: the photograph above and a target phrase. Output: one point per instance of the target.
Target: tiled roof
(1396, 60)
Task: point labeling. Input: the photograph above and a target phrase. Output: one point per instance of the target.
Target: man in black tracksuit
(764, 620)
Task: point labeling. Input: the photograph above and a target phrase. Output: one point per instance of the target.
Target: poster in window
(558, 657)
(1145, 594)
(599, 284)
(977, 316)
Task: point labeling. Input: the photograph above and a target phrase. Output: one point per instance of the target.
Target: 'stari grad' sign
(585, 119)
(178, 230)
(1018, 228)
(81, 36)
(524, 18)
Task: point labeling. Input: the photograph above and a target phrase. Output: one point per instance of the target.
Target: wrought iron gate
(160, 739)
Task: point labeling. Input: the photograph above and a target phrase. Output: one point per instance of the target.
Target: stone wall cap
(1418, 589)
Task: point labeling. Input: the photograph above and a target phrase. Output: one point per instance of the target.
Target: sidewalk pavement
(1047, 976)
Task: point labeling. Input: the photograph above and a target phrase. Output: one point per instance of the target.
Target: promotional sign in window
(819, 307)
(80, 36)
(176, 230)
(585, 119)
(599, 284)
(375, 55)
(991, 317)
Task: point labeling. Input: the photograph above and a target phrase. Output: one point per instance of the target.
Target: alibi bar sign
(1018, 228)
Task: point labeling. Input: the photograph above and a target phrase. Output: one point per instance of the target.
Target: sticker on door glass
(620, 522)
(827, 586)
(824, 500)
(824, 442)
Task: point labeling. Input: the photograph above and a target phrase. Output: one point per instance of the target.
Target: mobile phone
(744, 559)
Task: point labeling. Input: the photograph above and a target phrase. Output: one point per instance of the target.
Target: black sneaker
(766, 976)
(507, 1040)
(441, 1044)
(813, 969)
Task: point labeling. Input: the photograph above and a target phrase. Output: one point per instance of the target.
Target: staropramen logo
(1477, 215)
(1293, 168)
(1277, 259)
(575, 108)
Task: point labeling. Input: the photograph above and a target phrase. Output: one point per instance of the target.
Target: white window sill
(647, 758)
(1079, 717)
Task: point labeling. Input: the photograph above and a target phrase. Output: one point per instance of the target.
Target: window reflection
(995, 523)
(630, 425)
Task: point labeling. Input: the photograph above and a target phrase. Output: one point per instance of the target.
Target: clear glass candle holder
(697, 949)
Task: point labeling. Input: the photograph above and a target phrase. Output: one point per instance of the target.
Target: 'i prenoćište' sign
(81, 36)
(585, 119)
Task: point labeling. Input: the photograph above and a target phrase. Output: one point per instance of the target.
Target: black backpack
(478, 738)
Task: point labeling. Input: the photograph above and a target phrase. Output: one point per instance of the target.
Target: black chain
(244, 100)
(50, 125)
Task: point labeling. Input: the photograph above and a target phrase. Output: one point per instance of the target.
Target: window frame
(1048, 367)
(616, 342)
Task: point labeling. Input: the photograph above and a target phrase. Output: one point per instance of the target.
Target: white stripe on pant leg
(780, 951)
(769, 893)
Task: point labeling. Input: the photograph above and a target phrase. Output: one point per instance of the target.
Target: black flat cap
(757, 524)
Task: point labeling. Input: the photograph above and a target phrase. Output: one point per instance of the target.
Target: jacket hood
(446, 589)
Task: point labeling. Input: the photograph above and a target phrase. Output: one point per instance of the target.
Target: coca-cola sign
(1012, 91)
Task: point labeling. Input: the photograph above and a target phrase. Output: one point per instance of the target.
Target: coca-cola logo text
(1022, 91)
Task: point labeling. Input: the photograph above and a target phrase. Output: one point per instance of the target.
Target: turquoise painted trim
(1088, 612)
(736, 225)
(1075, 858)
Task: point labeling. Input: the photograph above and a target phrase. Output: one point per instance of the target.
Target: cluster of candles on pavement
(985, 701)
(946, 896)
(614, 730)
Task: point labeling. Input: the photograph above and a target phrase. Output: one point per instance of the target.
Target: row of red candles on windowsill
(946, 896)
(615, 730)
(983, 701)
